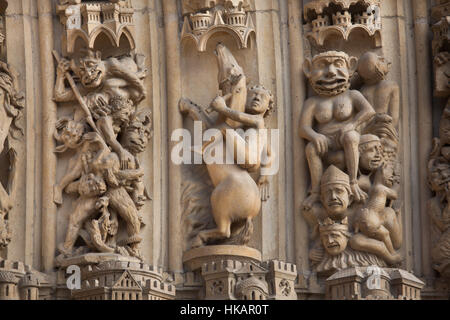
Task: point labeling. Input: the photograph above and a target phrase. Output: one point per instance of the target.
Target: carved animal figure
(236, 196)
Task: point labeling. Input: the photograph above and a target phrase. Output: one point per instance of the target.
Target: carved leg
(84, 208)
(5, 200)
(74, 171)
(316, 170)
(350, 142)
(392, 223)
(122, 203)
(361, 242)
(383, 235)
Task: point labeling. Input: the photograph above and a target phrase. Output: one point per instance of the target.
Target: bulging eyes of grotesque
(338, 63)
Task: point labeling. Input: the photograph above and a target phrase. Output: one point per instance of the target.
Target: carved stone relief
(11, 132)
(236, 197)
(202, 19)
(107, 132)
(439, 163)
(352, 156)
(331, 18)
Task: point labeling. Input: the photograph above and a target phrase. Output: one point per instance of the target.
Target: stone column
(425, 125)
(48, 145)
(174, 121)
(298, 91)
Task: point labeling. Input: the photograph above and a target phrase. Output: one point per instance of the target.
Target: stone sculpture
(439, 161)
(352, 134)
(105, 171)
(331, 120)
(236, 198)
(11, 106)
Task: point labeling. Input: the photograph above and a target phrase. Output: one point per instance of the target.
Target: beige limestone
(379, 193)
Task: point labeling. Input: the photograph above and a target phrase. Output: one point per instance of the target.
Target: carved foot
(395, 259)
(184, 105)
(358, 194)
(57, 195)
(198, 242)
(63, 250)
(311, 200)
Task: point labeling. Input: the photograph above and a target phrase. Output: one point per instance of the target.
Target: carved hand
(219, 103)
(63, 67)
(321, 144)
(125, 159)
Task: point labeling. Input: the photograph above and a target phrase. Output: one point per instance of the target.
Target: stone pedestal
(373, 283)
(237, 273)
(20, 282)
(116, 277)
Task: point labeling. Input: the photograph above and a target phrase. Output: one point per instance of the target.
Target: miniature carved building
(234, 280)
(91, 20)
(232, 17)
(364, 284)
(123, 281)
(20, 282)
(346, 18)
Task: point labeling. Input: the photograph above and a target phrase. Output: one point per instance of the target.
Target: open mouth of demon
(332, 83)
(92, 79)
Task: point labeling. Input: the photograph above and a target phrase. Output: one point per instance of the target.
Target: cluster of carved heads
(329, 73)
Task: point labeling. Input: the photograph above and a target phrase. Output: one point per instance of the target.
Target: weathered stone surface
(111, 110)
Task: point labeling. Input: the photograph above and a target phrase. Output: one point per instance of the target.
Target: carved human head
(388, 175)
(259, 101)
(91, 185)
(69, 132)
(373, 68)
(334, 235)
(370, 152)
(136, 135)
(438, 174)
(91, 69)
(335, 192)
(329, 72)
(121, 111)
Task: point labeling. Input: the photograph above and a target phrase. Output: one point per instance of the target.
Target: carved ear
(352, 65)
(307, 67)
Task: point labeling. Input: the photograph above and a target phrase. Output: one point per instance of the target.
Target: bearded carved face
(371, 156)
(329, 74)
(334, 241)
(91, 70)
(335, 199)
